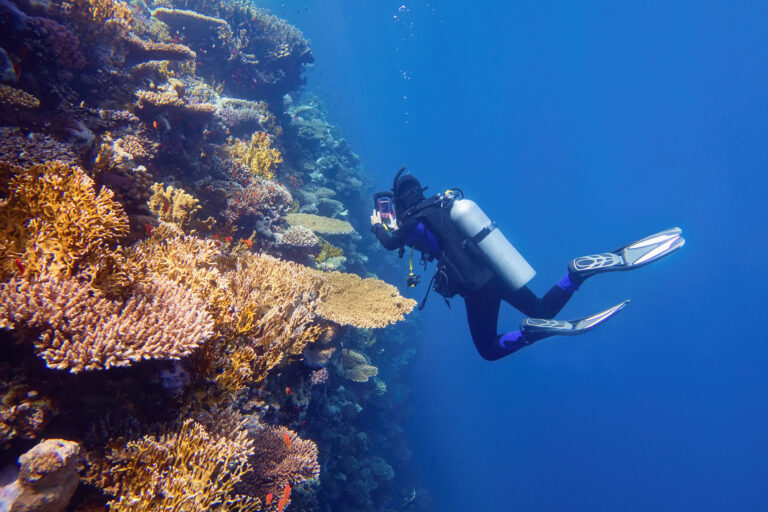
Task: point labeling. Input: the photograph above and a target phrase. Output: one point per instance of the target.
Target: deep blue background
(578, 127)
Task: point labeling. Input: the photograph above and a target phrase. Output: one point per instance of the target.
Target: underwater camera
(384, 204)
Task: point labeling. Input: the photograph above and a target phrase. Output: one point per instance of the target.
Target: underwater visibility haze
(195, 314)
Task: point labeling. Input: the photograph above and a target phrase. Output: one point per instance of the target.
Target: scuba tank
(496, 250)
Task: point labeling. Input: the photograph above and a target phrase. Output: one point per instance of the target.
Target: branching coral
(327, 251)
(83, 330)
(319, 224)
(349, 300)
(96, 13)
(299, 236)
(356, 366)
(280, 457)
(258, 155)
(140, 49)
(189, 20)
(12, 97)
(173, 204)
(53, 217)
(190, 469)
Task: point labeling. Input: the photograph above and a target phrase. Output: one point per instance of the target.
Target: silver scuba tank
(501, 255)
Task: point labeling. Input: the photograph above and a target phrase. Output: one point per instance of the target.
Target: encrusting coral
(52, 216)
(189, 469)
(83, 330)
(12, 97)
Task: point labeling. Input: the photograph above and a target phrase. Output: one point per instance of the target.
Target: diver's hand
(375, 218)
(393, 224)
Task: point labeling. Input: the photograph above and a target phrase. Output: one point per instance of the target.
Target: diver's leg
(525, 301)
(483, 316)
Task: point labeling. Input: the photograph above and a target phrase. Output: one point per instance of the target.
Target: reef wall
(187, 316)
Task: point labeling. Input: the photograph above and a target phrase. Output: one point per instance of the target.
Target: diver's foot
(632, 256)
(535, 329)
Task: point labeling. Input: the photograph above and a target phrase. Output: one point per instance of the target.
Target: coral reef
(165, 299)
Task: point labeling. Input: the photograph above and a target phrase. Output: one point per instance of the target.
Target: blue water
(579, 127)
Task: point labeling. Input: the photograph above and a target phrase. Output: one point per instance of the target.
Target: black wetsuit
(483, 303)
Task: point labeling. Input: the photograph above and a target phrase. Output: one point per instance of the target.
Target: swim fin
(629, 257)
(534, 329)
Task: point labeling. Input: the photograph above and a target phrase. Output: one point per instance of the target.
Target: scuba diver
(476, 261)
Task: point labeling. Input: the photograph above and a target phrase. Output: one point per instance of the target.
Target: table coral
(349, 300)
(139, 49)
(319, 224)
(53, 216)
(83, 330)
(189, 20)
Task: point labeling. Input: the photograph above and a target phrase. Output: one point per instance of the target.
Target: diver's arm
(392, 240)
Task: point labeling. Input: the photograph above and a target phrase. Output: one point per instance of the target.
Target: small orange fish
(215, 237)
(228, 239)
(154, 124)
(148, 227)
(288, 391)
(284, 499)
(269, 498)
(249, 243)
(20, 265)
(287, 440)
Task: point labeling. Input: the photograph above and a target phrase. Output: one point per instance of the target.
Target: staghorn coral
(12, 97)
(280, 457)
(258, 155)
(83, 330)
(319, 224)
(347, 299)
(173, 204)
(356, 366)
(53, 216)
(47, 478)
(190, 469)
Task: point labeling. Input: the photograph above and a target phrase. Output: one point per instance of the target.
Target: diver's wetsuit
(483, 304)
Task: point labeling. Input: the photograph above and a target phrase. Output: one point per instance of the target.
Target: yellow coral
(97, 13)
(347, 299)
(327, 251)
(356, 366)
(172, 204)
(258, 155)
(188, 470)
(53, 217)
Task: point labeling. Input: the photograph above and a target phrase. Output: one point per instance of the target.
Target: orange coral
(53, 217)
(190, 469)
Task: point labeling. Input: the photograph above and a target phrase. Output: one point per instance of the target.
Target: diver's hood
(407, 190)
